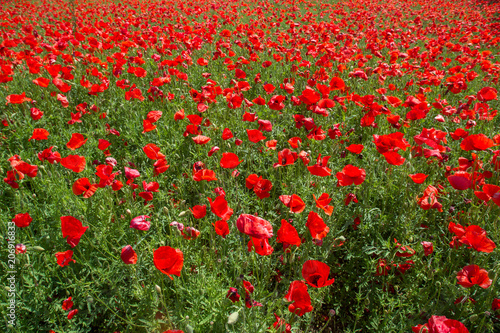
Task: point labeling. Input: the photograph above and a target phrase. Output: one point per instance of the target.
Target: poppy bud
(129, 212)
(158, 289)
(165, 210)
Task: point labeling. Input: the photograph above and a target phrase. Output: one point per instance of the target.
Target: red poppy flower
(320, 168)
(140, 223)
(64, 258)
(285, 157)
(48, 155)
(227, 134)
(73, 229)
(72, 313)
(428, 248)
(39, 134)
(429, 199)
(42, 82)
(103, 144)
(199, 211)
(316, 226)
(255, 135)
(440, 324)
(355, 149)
(179, 115)
(288, 235)
(393, 158)
(297, 293)
(201, 139)
(229, 161)
(204, 174)
(254, 226)
(154, 116)
(461, 180)
(168, 260)
(316, 274)
(190, 233)
(67, 304)
(220, 207)
(152, 151)
(473, 236)
(476, 142)
(83, 186)
(322, 203)
(36, 114)
(260, 186)
(22, 220)
(265, 125)
(294, 202)
(471, 275)
(281, 326)
(487, 94)
(75, 163)
(351, 174)
(233, 295)
(276, 102)
(17, 99)
(418, 178)
(128, 255)
(261, 246)
(221, 228)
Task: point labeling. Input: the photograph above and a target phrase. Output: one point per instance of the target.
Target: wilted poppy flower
(73, 229)
(22, 220)
(83, 186)
(220, 207)
(418, 178)
(233, 295)
(75, 163)
(229, 161)
(20, 249)
(128, 255)
(316, 226)
(471, 275)
(476, 142)
(77, 140)
(140, 223)
(428, 248)
(320, 168)
(261, 246)
(322, 203)
(351, 174)
(199, 211)
(316, 274)
(294, 202)
(67, 304)
(190, 233)
(64, 258)
(168, 260)
(254, 226)
(221, 228)
(288, 235)
(297, 293)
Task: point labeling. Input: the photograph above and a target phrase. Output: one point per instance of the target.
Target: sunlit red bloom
(418, 178)
(199, 211)
(254, 226)
(476, 142)
(472, 275)
(168, 260)
(204, 174)
(440, 324)
(72, 313)
(487, 94)
(316, 226)
(255, 135)
(316, 274)
(140, 223)
(276, 102)
(128, 255)
(22, 220)
(351, 174)
(393, 158)
(39, 134)
(221, 228)
(220, 207)
(294, 202)
(285, 157)
(323, 203)
(64, 258)
(261, 246)
(67, 304)
(259, 185)
(320, 168)
(48, 155)
(83, 186)
(298, 294)
(288, 235)
(229, 161)
(17, 99)
(355, 149)
(201, 139)
(77, 140)
(473, 236)
(73, 229)
(461, 180)
(429, 199)
(152, 151)
(75, 163)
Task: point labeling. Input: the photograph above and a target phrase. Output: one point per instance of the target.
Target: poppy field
(250, 166)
